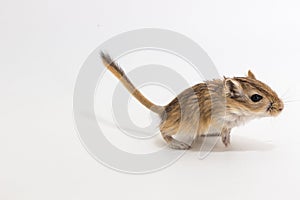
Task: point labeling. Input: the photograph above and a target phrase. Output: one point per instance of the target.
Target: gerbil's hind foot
(175, 144)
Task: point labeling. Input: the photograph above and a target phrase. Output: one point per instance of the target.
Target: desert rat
(219, 104)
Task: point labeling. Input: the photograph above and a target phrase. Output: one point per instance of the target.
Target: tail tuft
(110, 64)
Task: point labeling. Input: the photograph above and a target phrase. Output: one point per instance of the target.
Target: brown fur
(211, 107)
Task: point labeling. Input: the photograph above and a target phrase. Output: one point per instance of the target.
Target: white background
(42, 47)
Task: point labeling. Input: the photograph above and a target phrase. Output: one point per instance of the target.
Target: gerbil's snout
(276, 107)
(280, 105)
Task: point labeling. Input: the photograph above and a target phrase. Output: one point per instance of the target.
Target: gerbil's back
(191, 109)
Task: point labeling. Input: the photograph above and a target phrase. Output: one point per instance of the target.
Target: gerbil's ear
(251, 75)
(233, 88)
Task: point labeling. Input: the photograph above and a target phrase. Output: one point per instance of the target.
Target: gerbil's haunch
(209, 107)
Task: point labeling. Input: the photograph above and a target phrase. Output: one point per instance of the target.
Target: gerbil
(205, 107)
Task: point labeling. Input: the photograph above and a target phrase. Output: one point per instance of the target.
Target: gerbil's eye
(256, 98)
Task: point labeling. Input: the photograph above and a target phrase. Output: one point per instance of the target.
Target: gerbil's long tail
(120, 74)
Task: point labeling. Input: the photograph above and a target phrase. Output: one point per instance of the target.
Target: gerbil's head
(249, 96)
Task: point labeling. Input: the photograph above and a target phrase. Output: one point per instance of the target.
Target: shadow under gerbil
(238, 143)
(210, 143)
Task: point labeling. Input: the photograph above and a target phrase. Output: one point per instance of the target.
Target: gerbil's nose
(281, 106)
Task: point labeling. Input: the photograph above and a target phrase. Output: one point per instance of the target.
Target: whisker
(286, 96)
(285, 93)
(292, 101)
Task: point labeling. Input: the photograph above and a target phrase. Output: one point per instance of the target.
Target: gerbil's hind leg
(175, 144)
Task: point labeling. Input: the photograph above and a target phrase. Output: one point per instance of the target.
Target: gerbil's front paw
(226, 136)
(175, 144)
(226, 139)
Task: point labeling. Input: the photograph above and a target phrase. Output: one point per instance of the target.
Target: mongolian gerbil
(216, 105)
